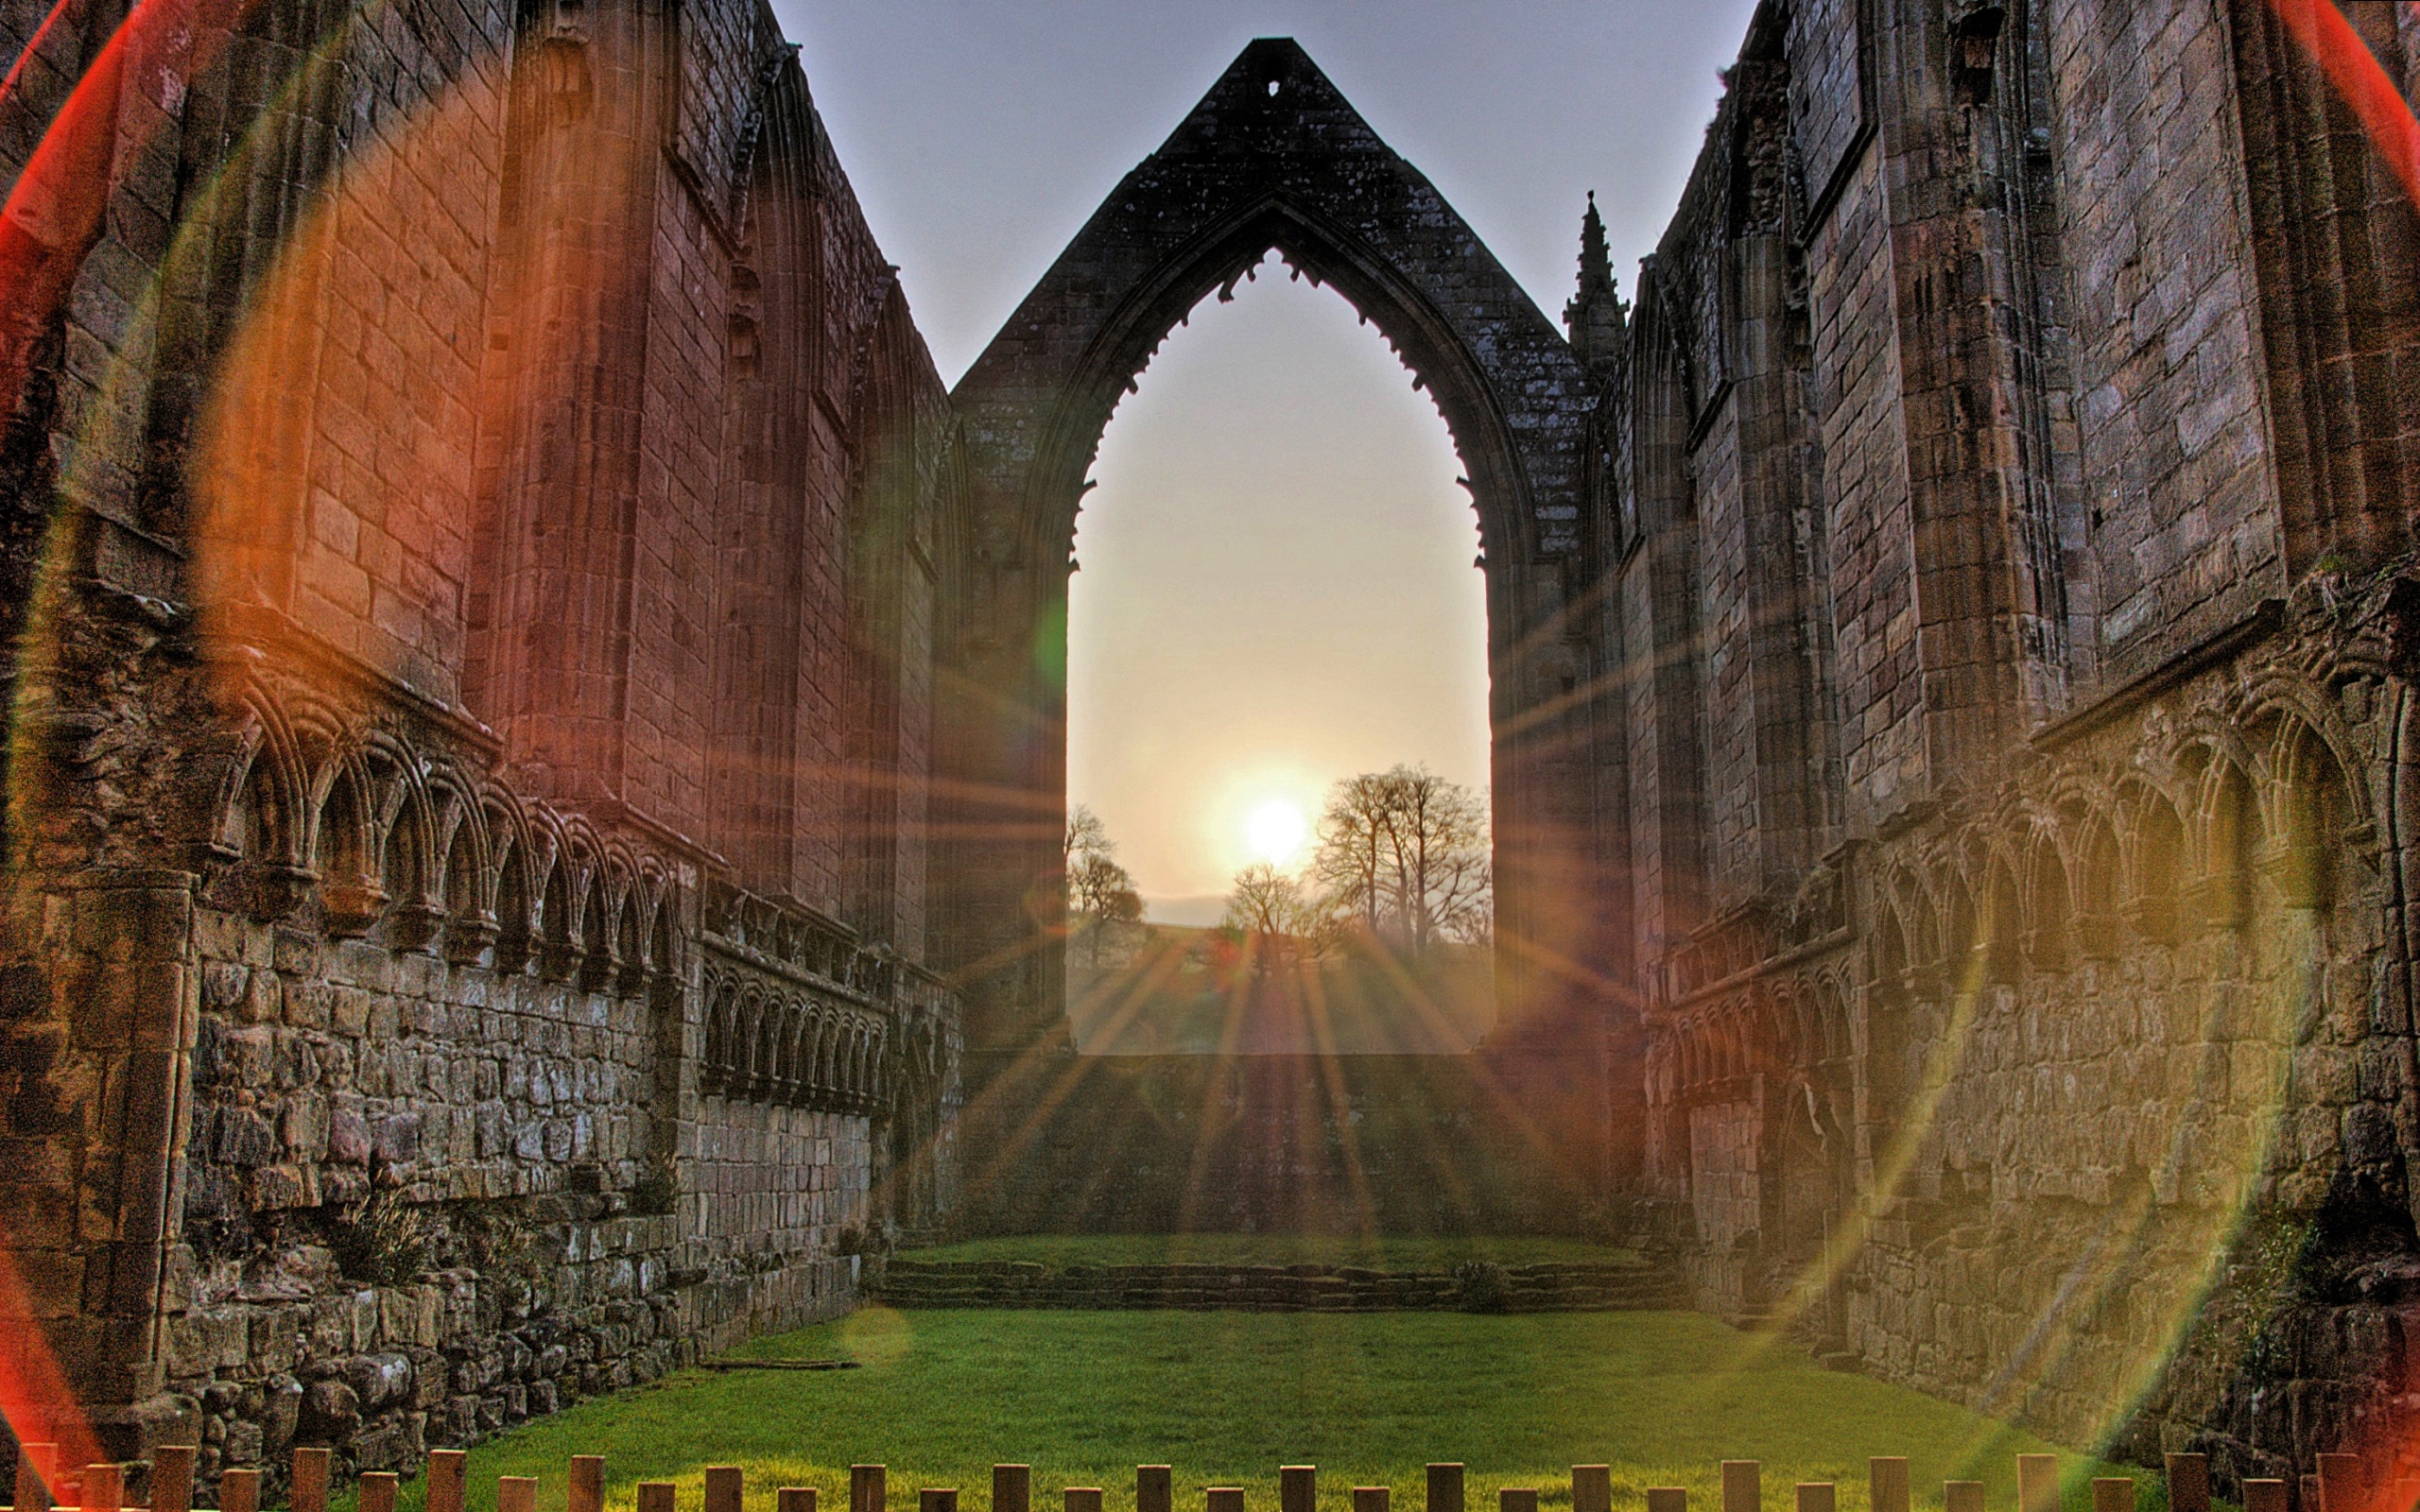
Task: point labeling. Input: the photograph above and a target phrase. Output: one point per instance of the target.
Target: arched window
(1275, 590)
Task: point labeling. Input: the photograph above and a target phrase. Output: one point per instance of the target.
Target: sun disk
(1277, 829)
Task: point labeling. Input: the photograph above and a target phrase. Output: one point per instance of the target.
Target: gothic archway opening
(1272, 157)
(1277, 699)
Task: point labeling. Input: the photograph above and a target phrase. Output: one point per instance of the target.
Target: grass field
(1275, 1249)
(1227, 1398)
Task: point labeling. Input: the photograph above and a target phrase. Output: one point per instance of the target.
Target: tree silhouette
(1100, 893)
(1279, 920)
(1405, 853)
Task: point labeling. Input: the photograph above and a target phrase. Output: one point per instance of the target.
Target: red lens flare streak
(34, 1393)
(2353, 71)
(54, 210)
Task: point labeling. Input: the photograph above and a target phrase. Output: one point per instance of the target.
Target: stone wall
(2014, 588)
(497, 603)
(470, 580)
(1482, 1142)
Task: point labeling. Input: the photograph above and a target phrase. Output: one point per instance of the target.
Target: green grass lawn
(1275, 1249)
(1227, 1397)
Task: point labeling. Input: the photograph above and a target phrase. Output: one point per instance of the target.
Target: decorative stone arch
(1274, 156)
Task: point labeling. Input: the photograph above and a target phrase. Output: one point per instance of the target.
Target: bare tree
(1272, 909)
(1265, 901)
(1406, 852)
(1355, 835)
(1100, 893)
(1443, 885)
(1086, 835)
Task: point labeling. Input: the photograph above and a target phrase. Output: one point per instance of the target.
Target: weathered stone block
(281, 1413)
(409, 1315)
(379, 1381)
(331, 1411)
(277, 1187)
(307, 1002)
(304, 1126)
(243, 1138)
(245, 1443)
(224, 984)
(274, 1341)
(396, 1137)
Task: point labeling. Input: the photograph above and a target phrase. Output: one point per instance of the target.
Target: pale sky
(1277, 586)
(1276, 589)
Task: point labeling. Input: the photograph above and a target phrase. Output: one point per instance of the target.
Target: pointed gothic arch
(1272, 158)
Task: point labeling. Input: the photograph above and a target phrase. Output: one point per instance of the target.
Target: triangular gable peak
(1274, 155)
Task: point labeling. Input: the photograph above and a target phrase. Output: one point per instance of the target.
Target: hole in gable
(1277, 595)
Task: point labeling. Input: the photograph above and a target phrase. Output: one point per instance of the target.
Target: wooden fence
(2339, 1484)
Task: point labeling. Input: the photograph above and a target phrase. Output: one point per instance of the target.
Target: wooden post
(2112, 1493)
(725, 1487)
(2188, 1482)
(448, 1478)
(1446, 1487)
(794, 1499)
(1814, 1496)
(1223, 1499)
(1154, 1488)
(585, 1490)
(1011, 1489)
(375, 1491)
(105, 1488)
(239, 1490)
(657, 1496)
(1886, 1480)
(1371, 1498)
(1297, 1488)
(1744, 1485)
(1516, 1499)
(2340, 1484)
(1961, 1495)
(936, 1499)
(1083, 1499)
(2037, 1483)
(869, 1489)
(309, 1492)
(2264, 1496)
(516, 1493)
(1592, 1488)
(1668, 1498)
(172, 1478)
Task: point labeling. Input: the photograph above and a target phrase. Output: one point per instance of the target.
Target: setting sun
(1276, 831)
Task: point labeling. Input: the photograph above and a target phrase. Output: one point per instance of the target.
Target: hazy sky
(1276, 589)
(1277, 585)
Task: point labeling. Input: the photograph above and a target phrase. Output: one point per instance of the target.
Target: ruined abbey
(533, 808)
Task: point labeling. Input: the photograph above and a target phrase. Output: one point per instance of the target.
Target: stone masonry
(532, 708)
(471, 566)
(2008, 544)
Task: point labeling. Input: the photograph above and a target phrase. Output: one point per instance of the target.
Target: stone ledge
(1543, 1288)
